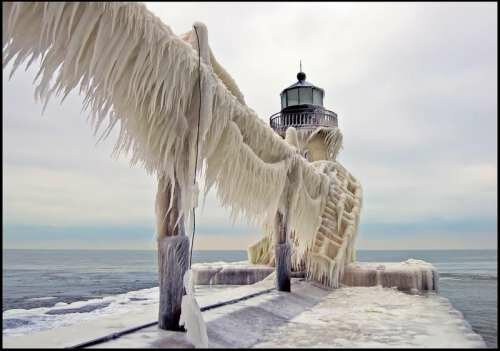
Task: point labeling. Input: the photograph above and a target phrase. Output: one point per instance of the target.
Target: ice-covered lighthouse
(302, 108)
(313, 132)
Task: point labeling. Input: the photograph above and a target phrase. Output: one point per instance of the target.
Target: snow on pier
(309, 316)
(314, 316)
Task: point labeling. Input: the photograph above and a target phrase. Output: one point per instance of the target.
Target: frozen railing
(305, 118)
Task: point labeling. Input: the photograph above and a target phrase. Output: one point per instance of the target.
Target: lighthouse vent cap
(301, 76)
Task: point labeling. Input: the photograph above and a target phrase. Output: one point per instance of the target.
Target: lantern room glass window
(283, 100)
(317, 97)
(306, 96)
(293, 97)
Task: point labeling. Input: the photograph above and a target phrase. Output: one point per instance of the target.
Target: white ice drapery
(131, 68)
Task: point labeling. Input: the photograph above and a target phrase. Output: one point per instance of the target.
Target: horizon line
(361, 249)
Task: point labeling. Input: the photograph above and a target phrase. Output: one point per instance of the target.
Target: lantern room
(302, 107)
(301, 93)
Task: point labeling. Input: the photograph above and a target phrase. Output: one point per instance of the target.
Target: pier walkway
(312, 316)
(309, 316)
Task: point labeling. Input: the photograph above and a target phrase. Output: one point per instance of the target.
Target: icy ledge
(411, 275)
(225, 273)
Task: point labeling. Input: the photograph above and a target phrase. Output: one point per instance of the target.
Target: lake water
(34, 279)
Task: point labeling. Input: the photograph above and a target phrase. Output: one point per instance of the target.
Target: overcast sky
(414, 86)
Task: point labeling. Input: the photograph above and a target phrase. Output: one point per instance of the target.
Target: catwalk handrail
(300, 119)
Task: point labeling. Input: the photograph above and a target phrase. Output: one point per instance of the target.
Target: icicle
(191, 317)
(196, 193)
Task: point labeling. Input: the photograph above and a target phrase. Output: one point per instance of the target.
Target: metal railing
(302, 119)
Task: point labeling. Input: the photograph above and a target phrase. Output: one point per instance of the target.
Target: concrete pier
(313, 316)
(309, 316)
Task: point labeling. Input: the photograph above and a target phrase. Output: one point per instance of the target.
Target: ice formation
(133, 69)
(191, 316)
(411, 275)
(333, 242)
(234, 273)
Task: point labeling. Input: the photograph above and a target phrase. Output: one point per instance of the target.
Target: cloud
(414, 85)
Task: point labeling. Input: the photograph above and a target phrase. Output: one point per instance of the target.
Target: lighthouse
(315, 126)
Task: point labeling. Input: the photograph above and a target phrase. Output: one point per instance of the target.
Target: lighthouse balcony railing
(320, 118)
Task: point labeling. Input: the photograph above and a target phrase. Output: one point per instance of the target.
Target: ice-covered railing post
(173, 244)
(173, 254)
(282, 252)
